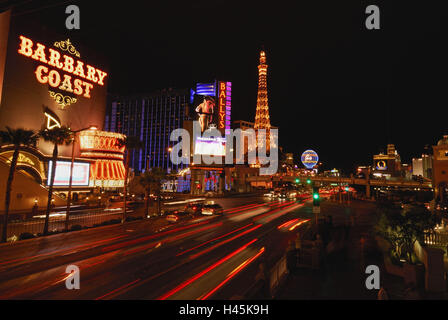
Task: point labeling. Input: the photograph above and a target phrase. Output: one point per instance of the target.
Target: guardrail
(34, 226)
(436, 239)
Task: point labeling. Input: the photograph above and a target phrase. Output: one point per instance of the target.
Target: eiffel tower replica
(262, 114)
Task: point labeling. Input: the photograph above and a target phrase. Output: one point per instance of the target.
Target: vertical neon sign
(224, 105)
(228, 105)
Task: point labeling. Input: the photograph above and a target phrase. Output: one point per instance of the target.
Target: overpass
(401, 183)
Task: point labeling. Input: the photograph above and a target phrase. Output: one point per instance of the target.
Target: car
(212, 209)
(176, 216)
(282, 195)
(193, 208)
(292, 194)
(270, 194)
(166, 197)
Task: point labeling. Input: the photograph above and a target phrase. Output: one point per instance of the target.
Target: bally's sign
(62, 72)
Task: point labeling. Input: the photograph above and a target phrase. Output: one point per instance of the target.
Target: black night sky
(334, 86)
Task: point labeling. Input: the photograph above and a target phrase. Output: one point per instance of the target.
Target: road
(208, 257)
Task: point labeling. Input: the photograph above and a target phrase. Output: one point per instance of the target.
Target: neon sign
(52, 119)
(224, 105)
(381, 165)
(108, 170)
(62, 71)
(309, 159)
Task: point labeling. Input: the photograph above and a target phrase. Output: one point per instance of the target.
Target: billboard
(81, 171)
(212, 103)
(309, 158)
(205, 108)
(213, 146)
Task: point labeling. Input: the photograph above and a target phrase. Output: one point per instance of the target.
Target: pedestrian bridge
(402, 183)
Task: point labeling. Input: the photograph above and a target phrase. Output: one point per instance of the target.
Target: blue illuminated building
(151, 118)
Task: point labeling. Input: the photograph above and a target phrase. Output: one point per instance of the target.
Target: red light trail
(232, 274)
(63, 250)
(224, 242)
(217, 238)
(118, 289)
(199, 275)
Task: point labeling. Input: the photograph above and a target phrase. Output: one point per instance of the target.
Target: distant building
(422, 167)
(363, 172)
(332, 173)
(440, 169)
(151, 118)
(387, 165)
(289, 159)
(243, 125)
(406, 171)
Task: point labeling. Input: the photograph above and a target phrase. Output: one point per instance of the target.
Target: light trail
(298, 224)
(168, 240)
(34, 288)
(287, 223)
(63, 250)
(194, 256)
(205, 271)
(273, 211)
(282, 212)
(217, 238)
(118, 289)
(240, 207)
(246, 208)
(153, 236)
(232, 274)
(263, 204)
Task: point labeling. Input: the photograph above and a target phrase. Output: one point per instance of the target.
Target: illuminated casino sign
(224, 105)
(309, 159)
(66, 74)
(107, 171)
(381, 165)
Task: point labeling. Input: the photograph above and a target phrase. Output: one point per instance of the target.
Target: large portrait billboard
(205, 108)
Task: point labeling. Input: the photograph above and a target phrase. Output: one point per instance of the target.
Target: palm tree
(130, 143)
(57, 136)
(151, 180)
(19, 138)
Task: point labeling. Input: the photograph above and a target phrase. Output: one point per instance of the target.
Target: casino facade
(48, 80)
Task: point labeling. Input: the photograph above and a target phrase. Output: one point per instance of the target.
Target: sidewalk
(342, 275)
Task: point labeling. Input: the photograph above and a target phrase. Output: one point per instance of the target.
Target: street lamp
(69, 194)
